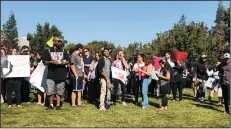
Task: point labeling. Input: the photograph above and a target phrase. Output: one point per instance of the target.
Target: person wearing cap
(77, 75)
(103, 72)
(201, 76)
(56, 58)
(224, 73)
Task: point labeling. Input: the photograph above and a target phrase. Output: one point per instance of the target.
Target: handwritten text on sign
(119, 74)
(17, 66)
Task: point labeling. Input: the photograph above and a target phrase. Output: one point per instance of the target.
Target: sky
(121, 22)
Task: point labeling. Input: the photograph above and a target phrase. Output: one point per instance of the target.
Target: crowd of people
(77, 75)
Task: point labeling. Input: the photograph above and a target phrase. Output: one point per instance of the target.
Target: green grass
(185, 114)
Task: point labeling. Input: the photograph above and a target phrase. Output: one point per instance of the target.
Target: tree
(70, 46)
(43, 33)
(10, 29)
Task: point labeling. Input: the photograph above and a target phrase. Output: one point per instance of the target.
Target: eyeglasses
(59, 41)
(85, 51)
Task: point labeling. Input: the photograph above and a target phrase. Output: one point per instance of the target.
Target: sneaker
(58, 108)
(9, 106)
(74, 106)
(102, 108)
(173, 100)
(19, 106)
(50, 107)
(124, 103)
(143, 107)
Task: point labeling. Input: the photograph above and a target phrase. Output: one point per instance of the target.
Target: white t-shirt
(140, 66)
(171, 63)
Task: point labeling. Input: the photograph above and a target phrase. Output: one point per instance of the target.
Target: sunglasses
(59, 41)
(85, 51)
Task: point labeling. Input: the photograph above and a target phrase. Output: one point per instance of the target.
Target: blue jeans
(145, 85)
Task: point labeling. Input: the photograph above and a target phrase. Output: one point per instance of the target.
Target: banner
(119, 74)
(156, 62)
(39, 76)
(15, 66)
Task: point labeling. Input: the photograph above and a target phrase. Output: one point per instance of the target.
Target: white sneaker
(102, 109)
(19, 106)
(124, 103)
(9, 106)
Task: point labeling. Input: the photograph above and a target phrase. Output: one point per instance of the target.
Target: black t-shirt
(87, 61)
(201, 71)
(56, 72)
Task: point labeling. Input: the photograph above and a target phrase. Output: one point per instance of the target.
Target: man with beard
(56, 58)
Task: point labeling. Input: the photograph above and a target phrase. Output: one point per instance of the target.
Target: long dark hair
(165, 63)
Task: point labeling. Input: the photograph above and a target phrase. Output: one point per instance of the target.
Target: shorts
(77, 84)
(55, 87)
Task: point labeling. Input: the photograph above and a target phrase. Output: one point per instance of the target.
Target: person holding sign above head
(56, 58)
(13, 85)
(146, 72)
(121, 64)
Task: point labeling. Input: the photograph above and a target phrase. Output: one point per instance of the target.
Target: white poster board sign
(209, 82)
(16, 66)
(39, 76)
(119, 74)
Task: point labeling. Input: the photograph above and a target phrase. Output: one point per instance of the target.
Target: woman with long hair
(94, 82)
(13, 85)
(146, 72)
(164, 81)
(41, 94)
(136, 67)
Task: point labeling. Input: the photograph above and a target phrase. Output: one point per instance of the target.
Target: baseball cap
(106, 48)
(227, 56)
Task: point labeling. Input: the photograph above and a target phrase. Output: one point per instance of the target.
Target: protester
(146, 74)
(94, 82)
(25, 87)
(177, 80)
(225, 81)
(138, 85)
(3, 86)
(201, 77)
(77, 75)
(56, 58)
(105, 76)
(87, 61)
(171, 63)
(40, 93)
(13, 85)
(121, 64)
(164, 80)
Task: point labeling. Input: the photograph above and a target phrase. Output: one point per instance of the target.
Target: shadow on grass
(207, 107)
(154, 104)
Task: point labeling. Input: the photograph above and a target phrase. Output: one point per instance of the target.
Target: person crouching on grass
(77, 75)
(146, 73)
(164, 81)
(56, 58)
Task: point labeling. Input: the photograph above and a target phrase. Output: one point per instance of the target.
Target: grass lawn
(185, 114)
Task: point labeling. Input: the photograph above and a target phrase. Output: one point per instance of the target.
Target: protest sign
(16, 66)
(181, 56)
(209, 82)
(119, 74)
(156, 62)
(39, 76)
